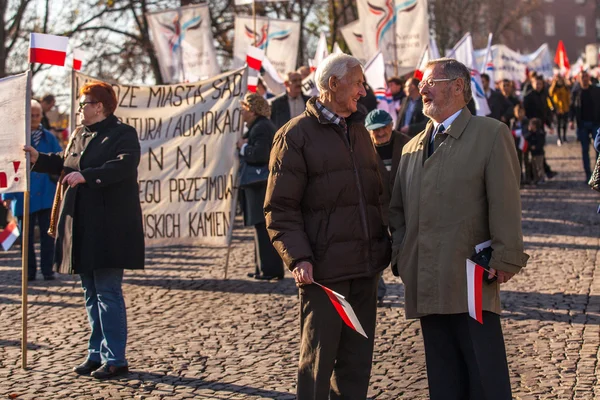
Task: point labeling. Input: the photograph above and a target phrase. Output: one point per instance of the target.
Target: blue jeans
(585, 131)
(106, 313)
(42, 218)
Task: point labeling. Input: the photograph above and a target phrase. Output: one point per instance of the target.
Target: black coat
(501, 108)
(536, 105)
(280, 110)
(100, 221)
(260, 139)
(418, 120)
(575, 107)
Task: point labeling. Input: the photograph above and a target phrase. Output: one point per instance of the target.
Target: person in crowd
(289, 104)
(388, 144)
(99, 230)
(561, 98)
(536, 139)
(527, 85)
(538, 104)
(254, 149)
(395, 85)
(507, 88)
(457, 186)
(369, 101)
(501, 109)
(47, 103)
(41, 188)
(304, 71)
(585, 109)
(324, 217)
(520, 131)
(410, 117)
(262, 91)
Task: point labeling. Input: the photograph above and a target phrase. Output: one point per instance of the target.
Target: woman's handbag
(594, 181)
(253, 175)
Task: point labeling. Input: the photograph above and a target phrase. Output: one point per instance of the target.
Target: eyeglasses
(83, 103)
(431, 82)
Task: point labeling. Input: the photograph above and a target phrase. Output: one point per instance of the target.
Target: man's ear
(333, 82)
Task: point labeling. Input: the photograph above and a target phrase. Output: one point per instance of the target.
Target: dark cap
(377, 119)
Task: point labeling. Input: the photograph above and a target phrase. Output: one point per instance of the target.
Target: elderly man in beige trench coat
(457, 186)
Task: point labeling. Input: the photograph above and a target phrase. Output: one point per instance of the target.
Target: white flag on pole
(184, 44)
(353, 36)
(375, 77)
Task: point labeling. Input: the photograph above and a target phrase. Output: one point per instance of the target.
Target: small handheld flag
(344, 309)
(474, 287)
(254, 59)
(9, 235)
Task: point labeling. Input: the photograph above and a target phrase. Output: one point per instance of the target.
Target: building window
(526, 25)
(550, 29)
(580, 26)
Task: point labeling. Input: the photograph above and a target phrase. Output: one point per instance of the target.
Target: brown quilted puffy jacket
(322, 202)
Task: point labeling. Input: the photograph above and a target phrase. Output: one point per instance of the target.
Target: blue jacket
(41, 188)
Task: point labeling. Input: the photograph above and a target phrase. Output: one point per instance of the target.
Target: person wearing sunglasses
(98, 227)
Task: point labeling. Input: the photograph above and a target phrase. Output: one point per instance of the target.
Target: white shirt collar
(447, 122)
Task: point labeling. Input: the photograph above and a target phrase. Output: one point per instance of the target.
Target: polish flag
(344, 309)
(255, 57)
(561, 59)
(48, 49)
(474, 286)
(9, 235)
(252, 83)
(422, 63)
(77, 59)
(523, 145)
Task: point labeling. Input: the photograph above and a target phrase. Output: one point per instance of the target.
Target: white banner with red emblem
(397, 28)
(14, 132)
(184, 44)
(188, 167)
(354, 38)
(279, 39)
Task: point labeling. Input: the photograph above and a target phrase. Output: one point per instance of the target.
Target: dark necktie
(439, 137)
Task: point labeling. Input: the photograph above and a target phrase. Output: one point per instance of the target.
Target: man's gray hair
(35, 104)
(453, 69)
(336, 65)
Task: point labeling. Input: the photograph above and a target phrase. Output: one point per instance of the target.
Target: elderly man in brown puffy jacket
(324, 218)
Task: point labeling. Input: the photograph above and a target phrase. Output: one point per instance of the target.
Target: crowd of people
(337, 190)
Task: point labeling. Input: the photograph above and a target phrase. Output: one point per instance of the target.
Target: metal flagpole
(25, 229)
(395, 46)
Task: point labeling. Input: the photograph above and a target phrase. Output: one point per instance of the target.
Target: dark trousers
(466, 360)
(266, 257)
(42, 219)
(335, 361)
(561, 126)
(586, 133)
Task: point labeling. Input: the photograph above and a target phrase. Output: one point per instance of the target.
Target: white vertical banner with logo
(278, 37)
(397, 28)
(375, 77)
(188, 163)
(353, 36)
(184, 44)
(14, 132)
(282, 44)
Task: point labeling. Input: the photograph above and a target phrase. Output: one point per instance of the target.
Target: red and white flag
(344, 309)
(422, 64)
(561, 59)
(474, 286)
(9, 235)
(254, 59)
(78, 55)
(48, 49)
(523, 145)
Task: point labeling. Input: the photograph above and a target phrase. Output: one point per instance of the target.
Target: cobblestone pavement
(193, 335)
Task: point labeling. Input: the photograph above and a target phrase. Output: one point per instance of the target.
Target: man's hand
(303, 273)
(6, 203)
(571, 125)
(503, 276)
(33, 154)
(241, 142)
(404, 129)
(551, 130)
(73, 179)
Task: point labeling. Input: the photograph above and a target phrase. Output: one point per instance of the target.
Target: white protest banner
(14, 132)
(184, 44)
(278, 37)
(188, 164)
(353, 36)
(508, 64)
(397, 28)
(309, 86)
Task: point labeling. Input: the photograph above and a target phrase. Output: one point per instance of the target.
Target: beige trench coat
(467, 192)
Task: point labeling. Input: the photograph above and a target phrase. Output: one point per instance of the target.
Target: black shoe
(49, 277)
(551, 174)
(268, 277)
(87, 367)
(109, 371)
(253, 275)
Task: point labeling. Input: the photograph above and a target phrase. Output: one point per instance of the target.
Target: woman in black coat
(255, 148)
(99, 231)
